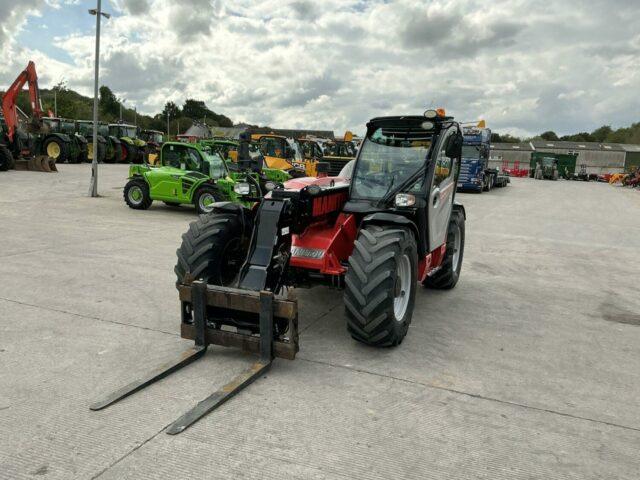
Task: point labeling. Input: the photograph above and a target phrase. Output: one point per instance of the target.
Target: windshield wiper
(407, 183)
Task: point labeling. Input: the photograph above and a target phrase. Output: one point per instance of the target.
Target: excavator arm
(9, 107)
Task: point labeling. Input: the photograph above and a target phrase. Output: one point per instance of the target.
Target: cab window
(272, 147)
(216, 166)
(182, 157)
(307, 148)
(443, 163)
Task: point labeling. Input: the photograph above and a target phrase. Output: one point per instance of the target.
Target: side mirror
(453, 149)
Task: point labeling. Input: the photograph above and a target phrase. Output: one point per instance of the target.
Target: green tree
(549, 135)
(108, 102)
(172, 109)
(506, 138)
(601, 134)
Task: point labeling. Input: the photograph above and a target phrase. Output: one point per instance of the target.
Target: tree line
(72, 105)
(604, 134)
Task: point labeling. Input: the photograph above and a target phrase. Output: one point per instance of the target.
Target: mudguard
(137, 170)
(460, 208)
(385, 218)
(62, 136)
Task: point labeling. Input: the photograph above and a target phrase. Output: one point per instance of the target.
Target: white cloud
(524, 65)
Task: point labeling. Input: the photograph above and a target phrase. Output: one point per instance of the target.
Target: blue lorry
(475, 173)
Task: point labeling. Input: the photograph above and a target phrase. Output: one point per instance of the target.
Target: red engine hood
(300, 183)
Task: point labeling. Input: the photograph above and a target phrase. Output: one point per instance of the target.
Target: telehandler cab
(385, 224)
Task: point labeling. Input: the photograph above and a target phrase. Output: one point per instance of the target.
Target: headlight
(270, 186)
(405, 200)
(242, 188)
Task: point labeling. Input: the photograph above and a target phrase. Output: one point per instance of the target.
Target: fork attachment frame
(221, 299)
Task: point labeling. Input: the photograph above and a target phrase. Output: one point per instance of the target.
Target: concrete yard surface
(528, 369)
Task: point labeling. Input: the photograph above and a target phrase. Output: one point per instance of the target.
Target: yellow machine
(284, 154)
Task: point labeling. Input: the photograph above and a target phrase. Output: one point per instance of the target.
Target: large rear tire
(56, 149)
(129, 153)
(449, 273)
(212, 250)
(381, 285)
(6, 159)
(136, 194)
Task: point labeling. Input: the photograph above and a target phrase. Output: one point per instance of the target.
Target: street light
(93, 186)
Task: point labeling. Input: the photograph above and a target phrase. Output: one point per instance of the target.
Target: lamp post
(93, 186)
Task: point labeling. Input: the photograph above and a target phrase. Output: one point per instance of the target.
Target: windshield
(340, 149)
(53, 124)
(128, 132)
(216, 165)
(471, 151)
(388, 157)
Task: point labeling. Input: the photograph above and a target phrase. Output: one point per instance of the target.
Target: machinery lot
(530, 368)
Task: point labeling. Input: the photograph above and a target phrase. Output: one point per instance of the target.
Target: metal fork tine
(185, 359)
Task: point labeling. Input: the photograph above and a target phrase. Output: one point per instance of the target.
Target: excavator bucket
(39, 163)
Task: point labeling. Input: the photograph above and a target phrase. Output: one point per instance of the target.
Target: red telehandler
(385, 224)
(18, 147)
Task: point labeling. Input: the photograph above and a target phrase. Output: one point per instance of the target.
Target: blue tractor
(475, 173)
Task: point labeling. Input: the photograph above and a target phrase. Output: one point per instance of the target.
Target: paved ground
(530, 368)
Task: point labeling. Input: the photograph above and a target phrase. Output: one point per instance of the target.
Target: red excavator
(18, 145)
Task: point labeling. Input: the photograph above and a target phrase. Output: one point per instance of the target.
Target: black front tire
(203, 195)
(6, 159)
(212, 250)
(136, 194)
(382, 269)
(449, 273)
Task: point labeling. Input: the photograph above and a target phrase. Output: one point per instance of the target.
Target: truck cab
(475, 173)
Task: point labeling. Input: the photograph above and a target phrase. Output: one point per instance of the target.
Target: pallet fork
(222, 299)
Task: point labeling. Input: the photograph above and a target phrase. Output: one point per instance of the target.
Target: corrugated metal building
(632, 158)
(508, 154)
(598, 157)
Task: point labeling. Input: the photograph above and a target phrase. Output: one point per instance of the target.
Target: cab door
(442, 192)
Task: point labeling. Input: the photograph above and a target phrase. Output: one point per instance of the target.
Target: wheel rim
(402, 290)
(123, 152)
(206, 202)
(456, 248)
(135, 195)
(53, 150)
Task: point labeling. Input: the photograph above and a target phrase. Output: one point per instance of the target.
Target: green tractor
(132, 148)
(154, 139)
(189, 174)
(59, 140)
(109, 150)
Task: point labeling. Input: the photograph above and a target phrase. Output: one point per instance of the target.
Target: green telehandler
(192, 174)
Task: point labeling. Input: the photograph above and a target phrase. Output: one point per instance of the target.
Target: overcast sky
(523, 65)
